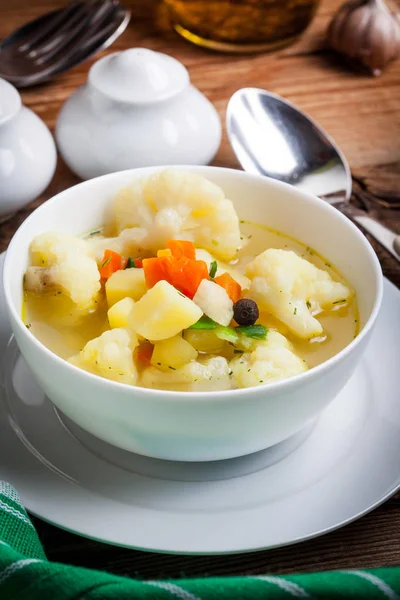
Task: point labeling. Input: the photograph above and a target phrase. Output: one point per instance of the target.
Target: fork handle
(385, 236)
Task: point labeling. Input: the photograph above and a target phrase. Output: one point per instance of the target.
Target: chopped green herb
(204, 323)
(106, 261)
(242, 221)
(230, 373)
(159, 364)
(180, 293)
(214, 242)
(250, 236)
(248, 370)
(310, 251)
(95, 232)
(308, 304)
(295, 310)
(172, 368)
(213, 268)
(261, 381)
(355, 320)
(130, 263)
(28, 325)
(258, 332)
(236, 351)
(328, 264)
(340, 301)
(227, 333)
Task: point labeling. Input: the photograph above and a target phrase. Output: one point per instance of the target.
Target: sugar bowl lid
(138, 76)
(10, 101)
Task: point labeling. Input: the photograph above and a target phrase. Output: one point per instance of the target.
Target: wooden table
(363, 115)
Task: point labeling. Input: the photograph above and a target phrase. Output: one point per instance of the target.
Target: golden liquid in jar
(241, 25)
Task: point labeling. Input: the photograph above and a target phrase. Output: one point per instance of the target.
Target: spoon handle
(385, 236)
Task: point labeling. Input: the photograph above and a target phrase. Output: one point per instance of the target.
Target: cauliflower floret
(63, 262)
(127, 243)
(293, 290)
(180, 205)
(271, 360)
(110, 355)
(205, 374)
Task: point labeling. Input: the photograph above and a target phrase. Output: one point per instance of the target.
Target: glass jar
(241, 25)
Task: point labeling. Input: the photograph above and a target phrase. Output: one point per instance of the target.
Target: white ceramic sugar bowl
(27, 153)
(138, 108)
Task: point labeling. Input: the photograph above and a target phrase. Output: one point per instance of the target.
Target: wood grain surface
(363, 115)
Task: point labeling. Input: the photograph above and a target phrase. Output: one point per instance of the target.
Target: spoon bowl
(271, 137)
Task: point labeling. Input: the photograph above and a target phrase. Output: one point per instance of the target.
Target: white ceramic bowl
(199, 426)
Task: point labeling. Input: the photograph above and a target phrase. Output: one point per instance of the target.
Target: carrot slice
(166, 252)
(145, 352)
(156, 269)
(183, 273)
(112, 261)
(181, 248)
(230, 285)
(192, 274)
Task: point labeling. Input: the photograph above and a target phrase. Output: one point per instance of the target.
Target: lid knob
(139, 75)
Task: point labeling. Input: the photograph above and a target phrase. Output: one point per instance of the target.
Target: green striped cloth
(25, 574)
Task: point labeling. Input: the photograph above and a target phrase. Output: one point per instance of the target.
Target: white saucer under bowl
(342, 467)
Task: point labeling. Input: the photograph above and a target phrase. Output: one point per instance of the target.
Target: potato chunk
(119, 314)
(163, 312)
(204, 341)
(125, 283)
(271, 360)
(174, 352)
(293, 290)
(214, 302)
(110, 356)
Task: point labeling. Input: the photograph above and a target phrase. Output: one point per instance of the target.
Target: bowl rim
(219, 395)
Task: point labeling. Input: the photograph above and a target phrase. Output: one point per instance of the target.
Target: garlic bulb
(367, 33)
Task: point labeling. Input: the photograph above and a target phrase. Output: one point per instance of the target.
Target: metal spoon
(272, 137)
(59, 40)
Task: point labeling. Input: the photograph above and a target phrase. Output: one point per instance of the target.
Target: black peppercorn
(245, 312)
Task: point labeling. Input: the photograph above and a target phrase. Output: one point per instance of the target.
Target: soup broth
(59, 325)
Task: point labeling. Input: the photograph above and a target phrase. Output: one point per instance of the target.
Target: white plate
(344, 466)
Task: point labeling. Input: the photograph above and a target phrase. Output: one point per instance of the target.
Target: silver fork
(60, 40)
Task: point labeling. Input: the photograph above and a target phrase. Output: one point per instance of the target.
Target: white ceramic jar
(137, 109)
(27, 153)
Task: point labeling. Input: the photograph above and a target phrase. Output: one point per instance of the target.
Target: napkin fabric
(25, 574)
